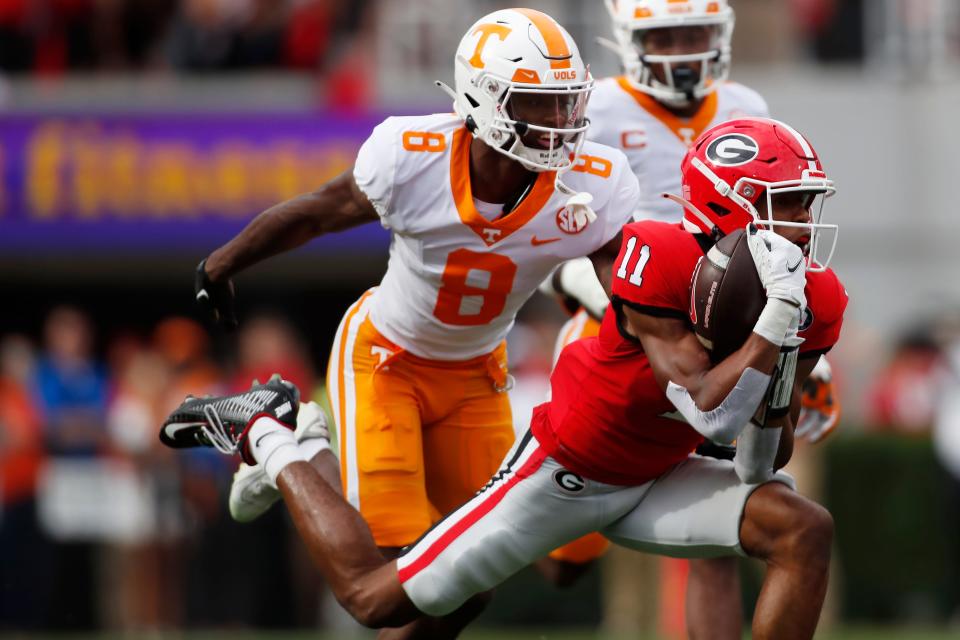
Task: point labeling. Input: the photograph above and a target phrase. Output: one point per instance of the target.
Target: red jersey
(608, 419)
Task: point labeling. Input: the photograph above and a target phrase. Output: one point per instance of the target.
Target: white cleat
(252, 492)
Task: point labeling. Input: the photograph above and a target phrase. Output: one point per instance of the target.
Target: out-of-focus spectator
(308, 34)
(21, 436)
(210, 35)
(268, 345)
(185, 347)
(903, 396)
(201, 37)
(145, 568)
(72, 386)
(23, 578)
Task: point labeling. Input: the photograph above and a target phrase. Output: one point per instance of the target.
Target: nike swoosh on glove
(780, 265)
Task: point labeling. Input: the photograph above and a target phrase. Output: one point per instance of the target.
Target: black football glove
(217, 299)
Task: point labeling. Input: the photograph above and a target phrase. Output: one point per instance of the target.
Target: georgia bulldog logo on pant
(569, 223)
(568, 481)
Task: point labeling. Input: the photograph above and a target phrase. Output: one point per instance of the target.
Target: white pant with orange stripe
(533, 505)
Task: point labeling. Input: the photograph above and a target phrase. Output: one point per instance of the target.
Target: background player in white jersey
(482, 204)
(676, 62)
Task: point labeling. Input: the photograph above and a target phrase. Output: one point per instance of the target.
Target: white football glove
(578, 279)
(820, 406)
(780, 264)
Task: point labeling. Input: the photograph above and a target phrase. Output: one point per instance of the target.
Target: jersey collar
(491, 231)
(686, 129)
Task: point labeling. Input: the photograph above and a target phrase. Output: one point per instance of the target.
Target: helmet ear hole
(471, 100)
(717, 209)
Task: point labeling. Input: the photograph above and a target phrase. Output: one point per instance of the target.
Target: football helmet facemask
(678, 25)
(736, 169)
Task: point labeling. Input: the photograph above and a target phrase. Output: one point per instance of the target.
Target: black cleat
(222, 422)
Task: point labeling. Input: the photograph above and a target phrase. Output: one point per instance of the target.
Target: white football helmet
(514, 64)
(633, 19)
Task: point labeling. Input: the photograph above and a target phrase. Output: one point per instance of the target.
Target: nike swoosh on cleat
(174, 428)
(535, 241)
(794, 267)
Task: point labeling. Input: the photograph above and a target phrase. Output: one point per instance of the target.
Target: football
(726, 296)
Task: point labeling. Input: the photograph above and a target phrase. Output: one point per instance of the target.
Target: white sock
(273, 446)
(313, 446)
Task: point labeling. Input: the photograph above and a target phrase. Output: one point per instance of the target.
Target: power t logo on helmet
(522, 87)
(675, 51)
(743, 170)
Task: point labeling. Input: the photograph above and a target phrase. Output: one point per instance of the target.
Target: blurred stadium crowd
(101, 526)
(52, 37)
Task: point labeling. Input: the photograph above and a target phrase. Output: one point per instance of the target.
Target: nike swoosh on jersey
(794, 267)
(535, 241)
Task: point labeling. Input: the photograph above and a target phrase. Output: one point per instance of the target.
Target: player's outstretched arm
(336, 206)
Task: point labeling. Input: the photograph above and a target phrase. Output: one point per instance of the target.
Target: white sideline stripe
(452, 519)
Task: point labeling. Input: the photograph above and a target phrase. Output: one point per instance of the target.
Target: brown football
(726, 296)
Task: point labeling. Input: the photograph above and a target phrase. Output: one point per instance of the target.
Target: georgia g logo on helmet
(732, 150)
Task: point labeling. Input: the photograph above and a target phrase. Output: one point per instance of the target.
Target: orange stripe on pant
(591, 546)
(417, 437)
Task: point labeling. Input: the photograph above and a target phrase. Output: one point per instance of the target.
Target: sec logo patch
(569, 223)
(568, 481)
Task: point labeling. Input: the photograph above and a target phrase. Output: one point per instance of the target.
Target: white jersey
(456, 279)
(655, 140)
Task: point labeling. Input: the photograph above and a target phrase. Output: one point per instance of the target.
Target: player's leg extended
(341, 545)
(522, 513)
(565, 565)
(462, 450)
(378, 427)
(714, 610)
(793, 535)
(468, 440)
(380, 406)
(695, 511)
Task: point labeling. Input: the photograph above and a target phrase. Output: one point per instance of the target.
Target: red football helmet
(731, 166)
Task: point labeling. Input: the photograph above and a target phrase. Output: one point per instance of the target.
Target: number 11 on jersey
(637, 276)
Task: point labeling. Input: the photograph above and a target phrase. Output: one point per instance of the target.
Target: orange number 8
(594, 165)
(455, 288)
(424, 141)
